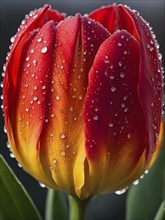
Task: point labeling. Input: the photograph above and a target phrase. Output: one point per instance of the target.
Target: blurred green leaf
(56, 207)
(160, 215)
(143, 200)
(14, 200)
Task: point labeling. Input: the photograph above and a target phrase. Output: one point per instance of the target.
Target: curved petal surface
(115, 138)
(77, 40)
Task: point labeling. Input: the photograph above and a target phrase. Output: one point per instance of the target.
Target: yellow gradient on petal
(112, 171)
(158, 147)
(24, 155)
(62, 138)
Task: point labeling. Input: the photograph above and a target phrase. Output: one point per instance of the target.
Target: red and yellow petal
(28, 114)
(115, 138)
(21, 82)
(150, 77)
(76, 42)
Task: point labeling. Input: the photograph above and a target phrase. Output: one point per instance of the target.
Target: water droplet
(110, 125)
(122, 75)
(63, 153)
(71, 108)
(120, 63)
(122, 105)
(142, 176)
(113, 89)
(42, 185)
(120, 192)
(19, 165)
(54, 161)
(111, 77)
(5, 129)
(125, 97)
(159, 56)
(62, 135)
(44, 49)
(119, 44)
(34, 62)
(39, 39)
(80, 97)
(136, 182)
(12, 39)
(12, 155)
(35, 87)
(57, 97)
(27, 109)
(96, 117)
(35, 16)
(32, 51)
(27, 58)
(129, 136)
(35, 98)
(146, 172)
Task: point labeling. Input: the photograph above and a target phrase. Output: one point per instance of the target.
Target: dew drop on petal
(44, 49)
(62, 135)
(42, 185)
(54, 161)
(146, 172)
(110, 125)
(63, 153)
(57, 97)
(113, 89)
(32, 51)
(120, 192)
(39, 39)
(95, 118)
(136, 182)
(27, 109)
(122, 75)
(159, 56)
(35, 98)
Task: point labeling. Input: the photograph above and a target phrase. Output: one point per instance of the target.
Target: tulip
(83, 99)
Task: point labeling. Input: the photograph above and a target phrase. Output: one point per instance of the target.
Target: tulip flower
(83, 99)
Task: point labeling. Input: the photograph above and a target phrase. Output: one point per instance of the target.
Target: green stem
(77, 208)
(160, 215)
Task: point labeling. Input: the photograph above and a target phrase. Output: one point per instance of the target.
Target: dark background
(11, 15)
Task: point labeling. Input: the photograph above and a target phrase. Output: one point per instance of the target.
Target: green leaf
(56, 207)
(160, 215)
(14, 200)
(143, 200)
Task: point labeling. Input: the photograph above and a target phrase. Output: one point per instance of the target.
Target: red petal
(150, 78)
(107, 16)
(54, 15)
(25, 33)
(76, 43)
(26, 112)
(112, 101)
(30, 101)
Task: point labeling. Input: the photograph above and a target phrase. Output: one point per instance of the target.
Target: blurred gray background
(11, 14)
